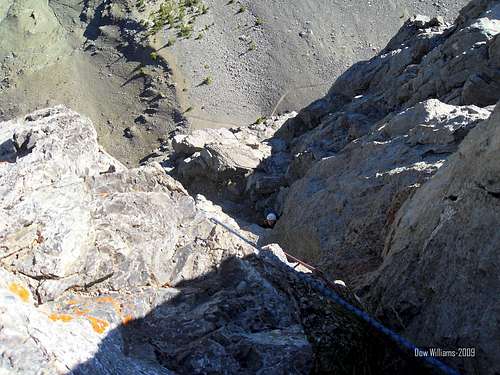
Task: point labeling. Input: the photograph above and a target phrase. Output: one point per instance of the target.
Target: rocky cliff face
(109, 270)
(390, 182)
(384, 128)
(439, 278)
(353, 177)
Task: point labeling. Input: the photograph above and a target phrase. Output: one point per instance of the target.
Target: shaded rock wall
(340, 212)
(381, 122)
(439, 278)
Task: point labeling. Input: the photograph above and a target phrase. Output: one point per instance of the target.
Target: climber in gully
(270, 220)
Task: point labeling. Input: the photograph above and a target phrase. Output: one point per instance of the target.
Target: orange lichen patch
(72, 302)
(104, 194)
(98, 325)
(105, 299)
(62, 317)
(80, 312)
(117, 306)
(20, 291)
(126, 319)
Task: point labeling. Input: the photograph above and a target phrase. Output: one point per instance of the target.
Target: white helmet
(271, 217)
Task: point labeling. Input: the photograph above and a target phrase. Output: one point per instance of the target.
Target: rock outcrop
(340, 212)
(222, 163)
(108, 270)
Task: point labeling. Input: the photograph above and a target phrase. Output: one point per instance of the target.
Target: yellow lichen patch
(62, 317)
(20, 291)
(126, 319)
(98, 325)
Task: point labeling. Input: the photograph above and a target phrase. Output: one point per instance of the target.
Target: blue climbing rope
(330, 294)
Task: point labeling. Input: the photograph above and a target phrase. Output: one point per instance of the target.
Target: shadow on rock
(248, 316)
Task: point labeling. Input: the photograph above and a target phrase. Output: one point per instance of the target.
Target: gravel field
(280, 55)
